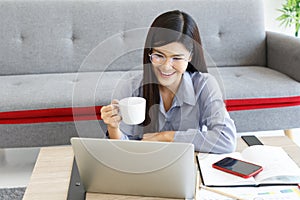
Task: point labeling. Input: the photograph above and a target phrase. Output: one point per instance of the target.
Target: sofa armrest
(283, 54)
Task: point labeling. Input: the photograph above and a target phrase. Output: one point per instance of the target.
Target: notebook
(156, 169)
(278, 168)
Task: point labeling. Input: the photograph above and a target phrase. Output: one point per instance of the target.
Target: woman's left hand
(165, 136)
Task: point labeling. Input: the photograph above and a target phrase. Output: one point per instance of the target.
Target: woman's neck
(168, 94)
(167, 98)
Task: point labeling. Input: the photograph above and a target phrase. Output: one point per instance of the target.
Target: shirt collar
(186, 92)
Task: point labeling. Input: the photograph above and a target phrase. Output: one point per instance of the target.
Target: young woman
(184, 102)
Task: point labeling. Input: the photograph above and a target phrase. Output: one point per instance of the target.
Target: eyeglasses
(159, 59)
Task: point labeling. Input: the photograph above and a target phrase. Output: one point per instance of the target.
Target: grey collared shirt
(197, 115)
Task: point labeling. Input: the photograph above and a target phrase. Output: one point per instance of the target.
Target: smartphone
(251, 140)
(237, 167)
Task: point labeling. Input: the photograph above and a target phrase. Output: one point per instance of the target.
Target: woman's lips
(166, 74)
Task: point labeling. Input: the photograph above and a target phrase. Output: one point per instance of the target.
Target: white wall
(271, 14)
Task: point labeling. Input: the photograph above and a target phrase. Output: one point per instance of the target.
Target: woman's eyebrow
(168, 55)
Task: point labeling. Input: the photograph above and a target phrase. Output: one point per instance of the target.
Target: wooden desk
(51, 175)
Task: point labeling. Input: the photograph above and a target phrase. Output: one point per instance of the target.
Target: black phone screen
(237, 167)
(251, 140)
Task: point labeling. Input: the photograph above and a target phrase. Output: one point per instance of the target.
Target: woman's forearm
(165, 136)
(212, 141)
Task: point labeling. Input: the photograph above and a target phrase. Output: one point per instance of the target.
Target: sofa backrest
(46, 36)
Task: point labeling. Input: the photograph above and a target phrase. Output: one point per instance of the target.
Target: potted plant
(290, 14)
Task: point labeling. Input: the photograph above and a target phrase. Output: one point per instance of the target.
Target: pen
(220, 192)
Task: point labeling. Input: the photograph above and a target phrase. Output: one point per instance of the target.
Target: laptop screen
(157, 169)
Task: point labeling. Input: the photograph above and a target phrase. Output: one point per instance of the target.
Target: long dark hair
(172, 26)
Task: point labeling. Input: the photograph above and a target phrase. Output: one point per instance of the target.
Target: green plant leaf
(290, 14)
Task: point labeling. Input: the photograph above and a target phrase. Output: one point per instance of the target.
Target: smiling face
(169, 62)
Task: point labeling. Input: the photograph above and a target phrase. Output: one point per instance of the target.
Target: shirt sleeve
(131, 132)
(217, 132)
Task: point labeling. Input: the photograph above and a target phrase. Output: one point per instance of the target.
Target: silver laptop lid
(156, 169)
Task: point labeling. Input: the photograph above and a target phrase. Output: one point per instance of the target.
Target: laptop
(156, 169)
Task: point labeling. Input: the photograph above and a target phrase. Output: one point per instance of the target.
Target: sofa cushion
(79, 96)
(57, 97)
(257, 87)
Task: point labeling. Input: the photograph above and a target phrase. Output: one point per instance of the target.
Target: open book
(278, 168)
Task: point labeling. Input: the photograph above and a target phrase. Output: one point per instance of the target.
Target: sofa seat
(79, 96)
(57, 97)
(260, 98)
(258, 87)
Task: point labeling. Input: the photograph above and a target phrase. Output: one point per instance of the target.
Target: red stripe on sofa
(93, 112)
(51, 115)
(51, 112)
(50, 119)
(261, 103)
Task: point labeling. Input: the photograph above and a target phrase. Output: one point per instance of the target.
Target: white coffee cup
(133, 110)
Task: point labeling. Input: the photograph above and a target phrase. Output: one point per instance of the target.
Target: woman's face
(169, 62)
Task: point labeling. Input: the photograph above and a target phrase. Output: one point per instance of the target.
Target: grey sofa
(61, 60)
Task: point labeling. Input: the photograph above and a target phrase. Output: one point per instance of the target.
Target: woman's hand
(110, 116)
(165, 136)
